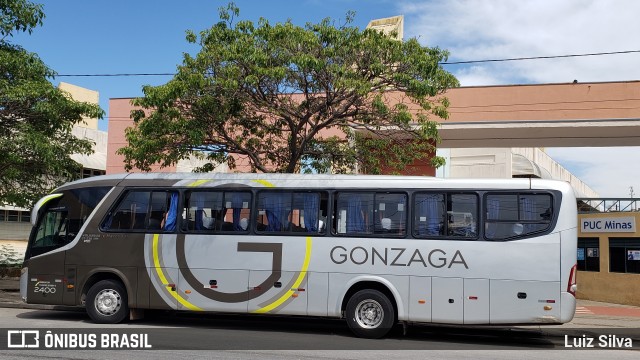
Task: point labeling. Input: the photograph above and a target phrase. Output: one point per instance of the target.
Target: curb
(39, 307)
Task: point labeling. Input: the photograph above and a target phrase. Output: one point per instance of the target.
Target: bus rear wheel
(107, 302)
(370, 314)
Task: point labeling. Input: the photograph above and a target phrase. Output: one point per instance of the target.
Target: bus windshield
(59, 220)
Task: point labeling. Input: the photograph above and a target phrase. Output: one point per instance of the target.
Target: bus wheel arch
(107, 302)
(103, 274)
(370, 309)
(110, 288)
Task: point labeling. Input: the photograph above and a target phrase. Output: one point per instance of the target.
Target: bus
(374, 250)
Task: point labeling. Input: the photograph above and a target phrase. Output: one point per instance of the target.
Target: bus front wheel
(107, 302)
(370, 314)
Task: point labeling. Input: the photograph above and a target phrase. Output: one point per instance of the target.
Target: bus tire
(107, 302)
(370, 314)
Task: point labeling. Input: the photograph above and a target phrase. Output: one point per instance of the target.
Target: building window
(13, 215)
(588, 254)
(25, 216)
(624, 255)
(86, 173)
(3, 216)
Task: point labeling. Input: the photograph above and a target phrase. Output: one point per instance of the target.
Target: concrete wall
(12, 231)
(83, 95)
(480, 163)
(557, 171)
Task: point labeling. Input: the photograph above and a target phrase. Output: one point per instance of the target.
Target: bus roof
(314, 180)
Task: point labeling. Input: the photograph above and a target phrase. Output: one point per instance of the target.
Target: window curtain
(172, 216)
(199, 213)
(276, 210)
(527, 212)
(311, 207)
(428, 208)
(236, 205)
(493, 212)
(355, 214)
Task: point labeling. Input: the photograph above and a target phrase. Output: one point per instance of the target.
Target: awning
(523, 167)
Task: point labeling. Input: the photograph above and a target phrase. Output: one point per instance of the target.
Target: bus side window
(274, 211)
(171, 215)
(203, 211)
(145, 210)
(462, 210)
(516, 215)
(390, 215)
(298, 212)
(237, 206)
(429, 215)
(354, 213)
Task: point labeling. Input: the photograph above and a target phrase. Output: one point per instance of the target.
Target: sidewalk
(590, 315)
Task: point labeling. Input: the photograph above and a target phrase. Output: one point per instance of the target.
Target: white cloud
(500, 29)
(609, 171)
(497, 29)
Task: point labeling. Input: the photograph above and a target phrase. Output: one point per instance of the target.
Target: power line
(441, 63)
(540, 57)
(116, 75)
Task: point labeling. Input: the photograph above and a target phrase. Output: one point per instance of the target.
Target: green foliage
(283, 97)
(19, 15)
(36, 118)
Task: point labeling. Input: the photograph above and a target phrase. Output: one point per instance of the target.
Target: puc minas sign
(608, 225)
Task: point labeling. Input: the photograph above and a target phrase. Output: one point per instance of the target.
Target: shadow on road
(280, 332)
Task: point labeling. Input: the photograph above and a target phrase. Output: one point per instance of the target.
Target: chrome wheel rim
(108, 302)
(369, 314)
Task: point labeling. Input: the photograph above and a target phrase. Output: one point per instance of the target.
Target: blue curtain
(275, 206)
(428, 208)
(355, 214)
(236, 205)
(527, 211)
(172, 216)
(433, 215)
(493, 212)
(311, 207)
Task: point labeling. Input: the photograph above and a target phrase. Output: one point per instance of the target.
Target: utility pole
(631, 192)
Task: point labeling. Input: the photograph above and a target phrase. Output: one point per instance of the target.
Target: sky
(144, 36)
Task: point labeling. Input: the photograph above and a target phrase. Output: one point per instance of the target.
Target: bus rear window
(517, 215)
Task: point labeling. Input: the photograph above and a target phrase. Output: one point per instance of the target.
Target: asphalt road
(251, 337)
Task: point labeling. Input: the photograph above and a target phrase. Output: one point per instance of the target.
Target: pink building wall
(541, 102)
(119, 120)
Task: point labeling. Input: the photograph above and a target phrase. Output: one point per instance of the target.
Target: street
(248, 337)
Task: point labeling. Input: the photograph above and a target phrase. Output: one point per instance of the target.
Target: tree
(36, 118)
(289, 98)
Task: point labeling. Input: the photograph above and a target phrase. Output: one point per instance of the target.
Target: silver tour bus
(374, 250)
